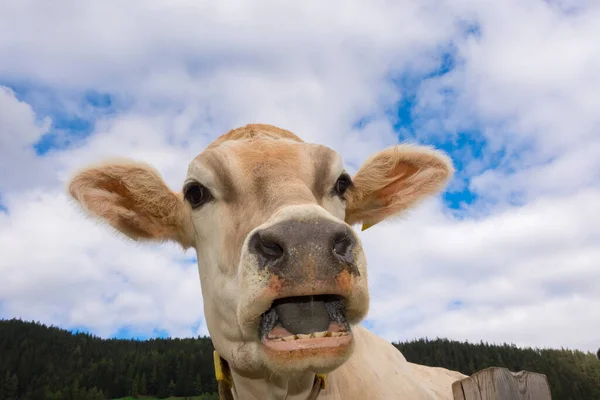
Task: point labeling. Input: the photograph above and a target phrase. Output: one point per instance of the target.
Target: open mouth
(303, 322)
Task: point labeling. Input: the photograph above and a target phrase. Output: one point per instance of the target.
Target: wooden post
(501, 384)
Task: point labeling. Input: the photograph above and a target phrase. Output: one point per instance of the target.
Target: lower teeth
(311, 336)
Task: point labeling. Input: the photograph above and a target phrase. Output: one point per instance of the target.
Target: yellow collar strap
(222, 372)
(367, 224)
(323, 379)
(223, 375)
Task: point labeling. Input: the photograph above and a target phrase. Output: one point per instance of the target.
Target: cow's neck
(248, 386)
(272, 388)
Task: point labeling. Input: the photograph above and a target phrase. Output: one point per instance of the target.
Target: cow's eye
(196, 194)
(342, 184)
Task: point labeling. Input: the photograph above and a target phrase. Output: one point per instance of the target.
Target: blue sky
(508, 90)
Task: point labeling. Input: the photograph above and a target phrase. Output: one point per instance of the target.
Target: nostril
(267, 248)
(342, 246)
(271, 249)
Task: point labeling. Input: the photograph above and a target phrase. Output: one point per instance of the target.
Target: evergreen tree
(171, 388)
(92, 393)
(143, 388)
(163, 383)
(75, 391)
(135, 391)
(198, 388)
(9, 387)
(153, 382)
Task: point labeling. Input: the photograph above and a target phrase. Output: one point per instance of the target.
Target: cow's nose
(327, 244)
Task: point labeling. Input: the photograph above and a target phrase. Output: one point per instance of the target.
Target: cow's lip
(305, 322)
(309, 342)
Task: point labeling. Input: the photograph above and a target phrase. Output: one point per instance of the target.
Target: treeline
(47, 363)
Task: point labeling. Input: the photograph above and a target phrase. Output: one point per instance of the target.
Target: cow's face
(283, 274)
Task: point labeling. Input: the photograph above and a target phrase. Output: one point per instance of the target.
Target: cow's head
(283, 274)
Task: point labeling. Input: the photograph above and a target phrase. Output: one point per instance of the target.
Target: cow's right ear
(133, 198)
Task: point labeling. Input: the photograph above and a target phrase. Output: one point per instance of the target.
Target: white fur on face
(333, 204)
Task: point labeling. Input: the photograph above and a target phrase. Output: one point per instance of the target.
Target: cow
(282, 272)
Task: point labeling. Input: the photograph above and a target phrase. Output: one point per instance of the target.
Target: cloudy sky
(510, 89)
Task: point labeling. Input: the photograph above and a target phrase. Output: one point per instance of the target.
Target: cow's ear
(133, 198)
(393, 180)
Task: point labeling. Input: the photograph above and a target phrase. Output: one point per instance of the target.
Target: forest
(38, 362)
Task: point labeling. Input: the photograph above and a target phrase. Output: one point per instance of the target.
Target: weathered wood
(501, 384)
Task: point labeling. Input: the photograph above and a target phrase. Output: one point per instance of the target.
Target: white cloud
(188, 71)
(59, 267)
(530, 82)
(518, 274)
(19, 131)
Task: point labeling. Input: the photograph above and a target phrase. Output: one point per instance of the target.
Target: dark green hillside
(51, 363)
(47, 363)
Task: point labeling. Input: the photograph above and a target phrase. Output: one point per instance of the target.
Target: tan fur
(395, 179)
(133, 198)
(259, 176)
(252, 131)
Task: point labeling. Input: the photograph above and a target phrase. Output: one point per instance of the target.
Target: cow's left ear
(393, 180)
